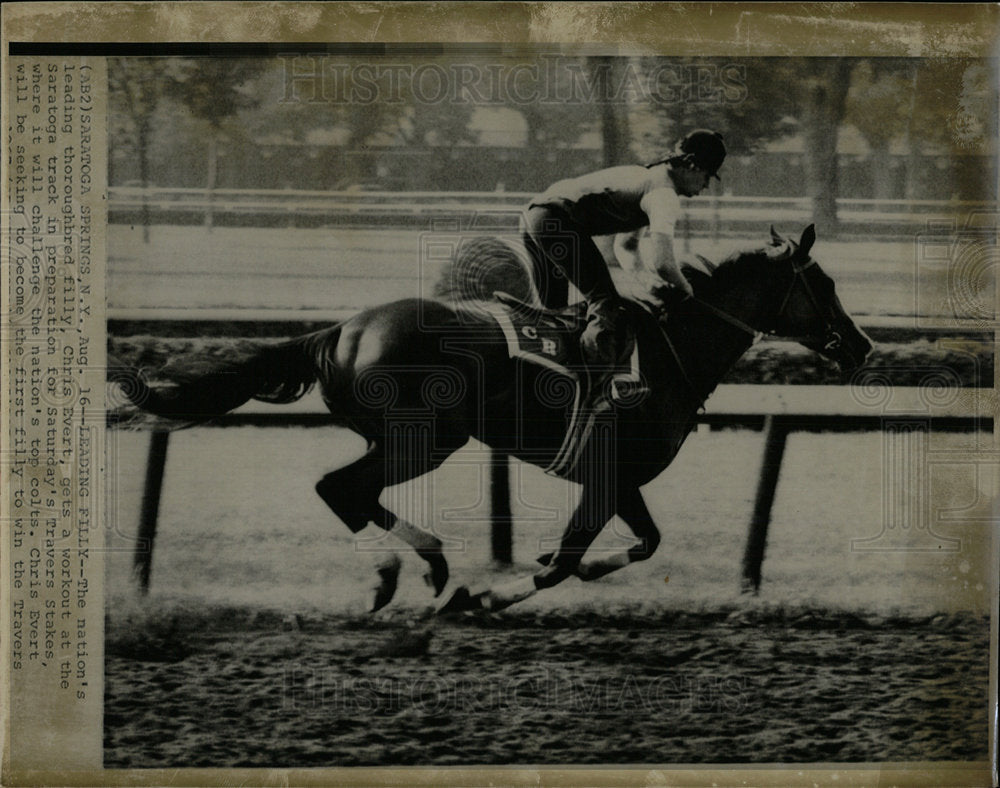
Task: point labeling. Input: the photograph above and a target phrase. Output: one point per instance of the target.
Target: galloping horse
(418, 378)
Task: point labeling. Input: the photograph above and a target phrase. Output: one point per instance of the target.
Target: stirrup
(601, 392)
(627, 391)
(619, 385)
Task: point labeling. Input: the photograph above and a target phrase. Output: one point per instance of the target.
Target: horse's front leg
(593, 512)
(632, 509)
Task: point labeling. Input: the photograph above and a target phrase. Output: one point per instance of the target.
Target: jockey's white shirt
(663, 207)
(618, 199)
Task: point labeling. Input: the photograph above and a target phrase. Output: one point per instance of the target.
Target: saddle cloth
(551, 339)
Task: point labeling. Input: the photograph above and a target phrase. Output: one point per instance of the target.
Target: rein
(728, 318)
(830, 337)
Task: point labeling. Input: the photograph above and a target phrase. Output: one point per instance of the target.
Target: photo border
(775, 29)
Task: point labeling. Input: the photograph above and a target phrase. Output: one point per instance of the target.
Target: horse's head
(806, 307)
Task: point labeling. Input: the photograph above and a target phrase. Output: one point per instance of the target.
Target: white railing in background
(430, 203)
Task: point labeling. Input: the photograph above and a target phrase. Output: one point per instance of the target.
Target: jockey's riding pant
(562, 252)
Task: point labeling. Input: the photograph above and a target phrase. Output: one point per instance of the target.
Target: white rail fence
(710, 209)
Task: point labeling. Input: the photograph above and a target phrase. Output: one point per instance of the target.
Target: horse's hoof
(461, 601)
(388, 580)
(457, 602)
(437, 575)
(546, 560)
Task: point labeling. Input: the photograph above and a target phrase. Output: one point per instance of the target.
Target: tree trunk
(614, 115)
(610, 142)
(212, 177)
(825, 94)
(535, 155)
(881, 169)
(913, 163)
(143, 140)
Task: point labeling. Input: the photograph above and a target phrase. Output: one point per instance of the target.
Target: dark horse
(418, 378)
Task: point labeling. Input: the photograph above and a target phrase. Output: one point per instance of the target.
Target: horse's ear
(776, 239)
(807, 240)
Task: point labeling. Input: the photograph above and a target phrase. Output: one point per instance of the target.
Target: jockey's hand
(672, 275)
(665, 291)
(685, 287)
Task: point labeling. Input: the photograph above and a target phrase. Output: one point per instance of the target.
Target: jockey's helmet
(706, 150)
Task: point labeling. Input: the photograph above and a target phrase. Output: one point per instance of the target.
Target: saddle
(551, 339)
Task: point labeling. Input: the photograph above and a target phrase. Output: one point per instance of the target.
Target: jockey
(560, 223)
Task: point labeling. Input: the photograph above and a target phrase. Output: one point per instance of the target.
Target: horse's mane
(741, 266)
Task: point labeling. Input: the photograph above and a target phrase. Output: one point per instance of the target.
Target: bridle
(829, 337)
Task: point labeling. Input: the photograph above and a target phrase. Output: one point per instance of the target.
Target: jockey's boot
(606, 340)
(608, 343)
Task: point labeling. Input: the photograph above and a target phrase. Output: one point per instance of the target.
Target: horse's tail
(484, 265)
(200, 388)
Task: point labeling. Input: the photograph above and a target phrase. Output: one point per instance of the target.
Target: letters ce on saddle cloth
(551, 339)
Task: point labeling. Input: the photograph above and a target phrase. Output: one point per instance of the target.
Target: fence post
(153, 487)
(774, 451)
(501, 533)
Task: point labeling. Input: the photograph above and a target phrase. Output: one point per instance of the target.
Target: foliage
(749, 101)
(618, 109)
(135, 87)
(879, 101)
(214, 89)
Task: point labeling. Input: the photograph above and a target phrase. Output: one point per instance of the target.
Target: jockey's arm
(656, 250)
(626, 246)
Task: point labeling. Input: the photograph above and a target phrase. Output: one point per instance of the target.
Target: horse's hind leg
(353, 494)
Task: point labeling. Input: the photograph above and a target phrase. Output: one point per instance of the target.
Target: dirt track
(847, 655)
(246, 688)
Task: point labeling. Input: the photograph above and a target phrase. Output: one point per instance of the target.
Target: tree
(946, 104)
(822, 99)
(359, 107)
(214, 90)
(746, 100)
(805, 96)
(615, 135)
(563, 114)
(879, 104)
(953, 109)
(135, 88)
